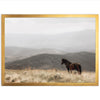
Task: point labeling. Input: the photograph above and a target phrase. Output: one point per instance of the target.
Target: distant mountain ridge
(53, 61)
(18, 53)
(83, 40)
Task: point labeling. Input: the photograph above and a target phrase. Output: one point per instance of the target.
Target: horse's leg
(79, 69)
(79, 72)
(71, 71)
(67, 69)
(76, 69)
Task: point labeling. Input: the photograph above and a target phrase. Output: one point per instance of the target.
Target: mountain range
(53, 61)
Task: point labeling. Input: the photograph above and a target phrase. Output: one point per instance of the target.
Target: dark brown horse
(72, 66)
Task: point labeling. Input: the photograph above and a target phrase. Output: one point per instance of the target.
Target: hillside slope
(53, 61)
(18, 53)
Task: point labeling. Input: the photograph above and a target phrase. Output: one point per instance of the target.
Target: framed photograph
(50, 50)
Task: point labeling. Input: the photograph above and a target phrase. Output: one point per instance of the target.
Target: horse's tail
(80, 69)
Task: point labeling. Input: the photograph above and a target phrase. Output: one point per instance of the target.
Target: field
(45, 76)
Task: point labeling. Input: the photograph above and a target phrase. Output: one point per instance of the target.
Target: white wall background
(49, 92)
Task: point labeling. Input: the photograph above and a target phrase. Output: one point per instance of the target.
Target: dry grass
(45, 76)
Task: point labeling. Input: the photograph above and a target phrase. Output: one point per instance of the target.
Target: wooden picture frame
(4, 16)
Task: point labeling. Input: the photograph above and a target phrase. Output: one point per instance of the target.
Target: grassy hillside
(53, 61)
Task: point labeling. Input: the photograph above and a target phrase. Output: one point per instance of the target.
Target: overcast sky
(56, 33)
(48, 25)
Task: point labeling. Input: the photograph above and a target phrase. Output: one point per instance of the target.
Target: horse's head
(63, 61)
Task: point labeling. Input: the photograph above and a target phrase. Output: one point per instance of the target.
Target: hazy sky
(56, 33)
(48, 25)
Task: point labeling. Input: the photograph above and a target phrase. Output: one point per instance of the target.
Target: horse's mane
(65, 60)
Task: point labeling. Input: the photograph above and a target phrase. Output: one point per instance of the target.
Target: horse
(72, 66)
